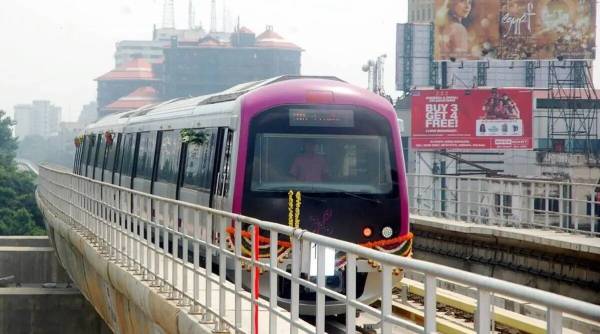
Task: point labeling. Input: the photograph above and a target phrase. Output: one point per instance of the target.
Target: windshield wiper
(373, 200)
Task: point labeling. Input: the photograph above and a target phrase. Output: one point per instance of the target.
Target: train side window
(199, 163)
(168, 160)
(90, 156)
(76, 160)
(128, 151)
(101, 152)
(111, 157)
(226, 166)
(84, 154)
(146, 150)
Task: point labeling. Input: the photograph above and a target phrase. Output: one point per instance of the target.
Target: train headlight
(387, 232)
(367, 232)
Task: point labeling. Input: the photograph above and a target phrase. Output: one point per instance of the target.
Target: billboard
(514, 29)
(474, 119)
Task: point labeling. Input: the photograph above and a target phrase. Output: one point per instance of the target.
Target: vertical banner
(480, 119)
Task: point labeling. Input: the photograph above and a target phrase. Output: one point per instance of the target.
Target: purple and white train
(243, 150)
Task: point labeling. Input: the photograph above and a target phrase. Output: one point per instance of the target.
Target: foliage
(193, 136)
(19, 214)
(8, 144)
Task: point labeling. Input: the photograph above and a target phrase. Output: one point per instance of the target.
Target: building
(192, 63)
(138, 98)
(220, 61)
(421, 11)
(89, 113)
(71, 129)
(152, 50)
(123, 80)
(40, 118)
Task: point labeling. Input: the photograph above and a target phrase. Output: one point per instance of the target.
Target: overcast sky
(54, 49)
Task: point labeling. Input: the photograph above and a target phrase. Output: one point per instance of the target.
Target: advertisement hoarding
(514, 29)
(475, 119)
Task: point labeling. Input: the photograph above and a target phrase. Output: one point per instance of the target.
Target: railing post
(221, 326)
(350, 292)
(273, 246)
(320, 311)
(175, 251)
(186, 218)
(238, 274)
(207, 318)
(554, 321)
(386, 299)
(295, 294)
(196, 251)
(430, 304)
(482, 318)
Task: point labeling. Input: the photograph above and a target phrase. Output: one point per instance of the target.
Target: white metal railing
(527, 203)
(111, 217)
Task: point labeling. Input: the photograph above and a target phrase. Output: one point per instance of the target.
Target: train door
(112, 158)
(220, 191)
(169, 156)
(198, 175)
(127, 161)
(144, 164)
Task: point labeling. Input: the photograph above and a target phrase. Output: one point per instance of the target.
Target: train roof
(181, 107)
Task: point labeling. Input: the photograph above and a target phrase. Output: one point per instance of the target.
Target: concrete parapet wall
(24, 241)
(565, 264)
(39, 310)
(31, 264)
(125, 302)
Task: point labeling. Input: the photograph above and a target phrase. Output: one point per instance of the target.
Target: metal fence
(125, 224)
(523, 203)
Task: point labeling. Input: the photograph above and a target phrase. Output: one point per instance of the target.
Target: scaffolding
(571, 108)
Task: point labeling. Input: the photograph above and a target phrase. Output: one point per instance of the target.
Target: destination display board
(475, 119)
(515, 29)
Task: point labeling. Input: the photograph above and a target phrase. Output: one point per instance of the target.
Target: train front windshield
(321, 163)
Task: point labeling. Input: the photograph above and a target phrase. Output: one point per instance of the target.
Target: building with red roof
(192, 63)
(221, 60)
(137, 99)
(124, 80)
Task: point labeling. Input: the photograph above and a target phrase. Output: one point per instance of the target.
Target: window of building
(504, 202)
(146, 150)
(200, 161)
(168, 161)
(539, 205)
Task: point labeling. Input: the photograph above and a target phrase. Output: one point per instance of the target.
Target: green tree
(8, 144)
(19, 214)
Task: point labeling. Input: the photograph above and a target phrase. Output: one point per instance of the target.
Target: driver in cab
(309, 166)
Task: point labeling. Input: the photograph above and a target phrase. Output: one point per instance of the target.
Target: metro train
(255, 147)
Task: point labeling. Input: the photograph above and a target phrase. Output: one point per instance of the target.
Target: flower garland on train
(401, 245)
(78, 140)
(108, 137)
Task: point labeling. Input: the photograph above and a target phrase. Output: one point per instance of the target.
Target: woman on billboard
(451, 21)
